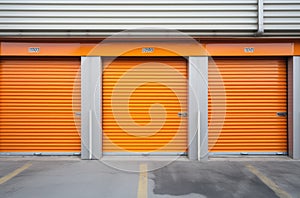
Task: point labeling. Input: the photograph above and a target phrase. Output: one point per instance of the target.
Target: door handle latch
(77, 113)
(182, 114)
(281, 114)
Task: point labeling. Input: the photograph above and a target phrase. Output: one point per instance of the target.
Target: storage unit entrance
(38, 100)
(248, 105)
(144, 106)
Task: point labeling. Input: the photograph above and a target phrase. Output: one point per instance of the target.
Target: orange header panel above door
(155, 48)
(149, 48)
(297, 48)
(45, 49)
(250, 49)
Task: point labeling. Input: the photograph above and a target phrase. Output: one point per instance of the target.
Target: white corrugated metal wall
(282, 17)
(103, 17)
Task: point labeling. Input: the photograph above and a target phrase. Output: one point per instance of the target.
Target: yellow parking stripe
(14, 173)
(143, 182)
(278, 191)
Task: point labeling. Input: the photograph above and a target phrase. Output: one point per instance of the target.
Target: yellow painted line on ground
(14, 173)
(278, 191)
(143, 182)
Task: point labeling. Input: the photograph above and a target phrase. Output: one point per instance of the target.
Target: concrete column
(91, 134)
(198, 103)
(294, 107)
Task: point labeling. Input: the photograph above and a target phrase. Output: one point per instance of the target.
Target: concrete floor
(71, 177)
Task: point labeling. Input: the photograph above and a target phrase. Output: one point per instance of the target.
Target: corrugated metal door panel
(282, 17)
(37, 99)
(255, 90)
(141, 101)
(212, 17)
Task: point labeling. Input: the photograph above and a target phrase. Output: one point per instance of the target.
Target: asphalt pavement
(55, 177)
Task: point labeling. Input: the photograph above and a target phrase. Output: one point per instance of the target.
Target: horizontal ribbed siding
(105, 17)
(282, 17)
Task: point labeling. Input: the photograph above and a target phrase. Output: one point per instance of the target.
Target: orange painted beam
(297, 48)
(250, 49)
(45, 49)
(103, 49)
(149, 48)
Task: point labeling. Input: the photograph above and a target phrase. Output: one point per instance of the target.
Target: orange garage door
(145, 105)
(255, 90)
(37, 99)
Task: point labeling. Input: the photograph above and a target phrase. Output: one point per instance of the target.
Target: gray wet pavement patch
(209, 180)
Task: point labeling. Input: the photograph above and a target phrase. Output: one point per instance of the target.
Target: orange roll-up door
(38, 97)
(243, 113)
(145, 105)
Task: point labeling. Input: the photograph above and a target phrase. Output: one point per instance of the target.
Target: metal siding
(198, 100)
(104, 17)
(37, 99)
(296, 107)
(255, 90)
(282, 17)
(166, 90)
(90, 107)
